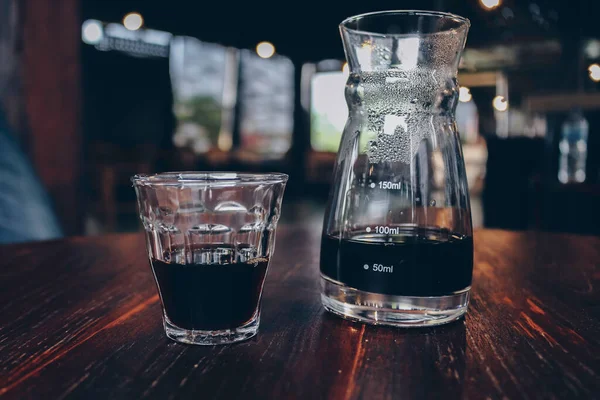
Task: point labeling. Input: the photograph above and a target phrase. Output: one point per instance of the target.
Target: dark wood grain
(80, 318)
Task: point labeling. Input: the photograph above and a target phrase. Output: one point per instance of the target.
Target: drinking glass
(209, 238)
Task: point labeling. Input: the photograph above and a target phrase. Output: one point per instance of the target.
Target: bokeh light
(594, 71)
(265, 49)
(500, 103)
(464, 94)
(92, 31)
(133, 21)
(489, 4)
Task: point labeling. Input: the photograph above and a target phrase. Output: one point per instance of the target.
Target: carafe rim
(463, 22)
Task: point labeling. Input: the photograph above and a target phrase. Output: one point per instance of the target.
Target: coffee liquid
(429, 265)
(222, 293)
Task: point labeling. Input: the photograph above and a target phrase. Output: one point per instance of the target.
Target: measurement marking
(368, 230)
(373, 185)
(389, 269)
(390, 185)
(386, 230)
(383, 268)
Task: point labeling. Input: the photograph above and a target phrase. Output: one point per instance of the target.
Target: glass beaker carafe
(397, 244)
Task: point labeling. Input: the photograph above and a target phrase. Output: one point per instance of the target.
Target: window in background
(328, 110)
(266, 104)
(204, 79)
(467, 121)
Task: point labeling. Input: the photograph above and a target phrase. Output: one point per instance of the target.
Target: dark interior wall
(127, 100)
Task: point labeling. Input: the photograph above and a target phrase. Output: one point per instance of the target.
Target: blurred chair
(512, 166)
(112, 166)
(26, 212)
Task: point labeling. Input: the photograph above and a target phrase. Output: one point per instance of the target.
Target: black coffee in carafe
(411, 265)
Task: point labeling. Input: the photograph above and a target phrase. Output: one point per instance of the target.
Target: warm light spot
(490, 4)
(265, 49)
(133, 21)
(500, 103)
(464, 94)
(594, 71)
(346, 69)
(92, 32)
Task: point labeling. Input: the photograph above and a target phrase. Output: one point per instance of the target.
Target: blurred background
(94, 91)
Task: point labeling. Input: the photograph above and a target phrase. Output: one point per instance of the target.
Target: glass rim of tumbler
(207, 179)
(461, 22)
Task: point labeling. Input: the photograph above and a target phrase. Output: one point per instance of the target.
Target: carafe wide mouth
(394, 23)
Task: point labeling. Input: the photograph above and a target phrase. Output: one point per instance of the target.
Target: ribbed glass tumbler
(210, 237)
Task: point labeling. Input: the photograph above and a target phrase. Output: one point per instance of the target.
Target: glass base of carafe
(401, 311)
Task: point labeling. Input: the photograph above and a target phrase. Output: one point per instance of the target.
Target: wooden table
(80, 318)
